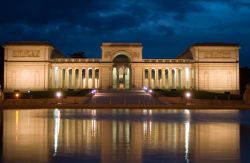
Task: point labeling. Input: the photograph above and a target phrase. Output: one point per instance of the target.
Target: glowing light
(93, 92)
(58, 94)
(17, 119)
(150, 112)
(187, 132)
(150, 91)
(188, 94)
(17, 95)
(145, 88)
(56, 129)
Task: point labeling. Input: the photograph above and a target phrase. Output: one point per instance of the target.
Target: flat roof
(121, 44)
(28, 43)
(216, 44)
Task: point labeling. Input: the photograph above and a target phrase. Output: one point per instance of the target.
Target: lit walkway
(123, 97)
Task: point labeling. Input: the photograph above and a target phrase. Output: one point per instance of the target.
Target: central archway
(121, 73)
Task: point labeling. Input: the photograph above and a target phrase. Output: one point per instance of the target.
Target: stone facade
(211, 67)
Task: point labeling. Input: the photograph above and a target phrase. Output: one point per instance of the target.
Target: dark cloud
(164, 27)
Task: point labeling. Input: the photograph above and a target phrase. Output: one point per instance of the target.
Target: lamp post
(59, 96)
(187, 96)
(17, 94)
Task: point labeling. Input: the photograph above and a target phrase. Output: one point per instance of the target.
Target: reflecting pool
(123, 135)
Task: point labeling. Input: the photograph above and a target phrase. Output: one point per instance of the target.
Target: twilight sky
(164, 27)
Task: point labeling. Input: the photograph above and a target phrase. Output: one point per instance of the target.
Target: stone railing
(76, 60)
(167, 60)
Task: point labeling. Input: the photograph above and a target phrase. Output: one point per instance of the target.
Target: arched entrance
(121, 72)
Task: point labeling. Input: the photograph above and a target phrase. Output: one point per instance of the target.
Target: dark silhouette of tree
(79, 54)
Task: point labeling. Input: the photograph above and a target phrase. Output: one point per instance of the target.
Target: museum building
(40, 66)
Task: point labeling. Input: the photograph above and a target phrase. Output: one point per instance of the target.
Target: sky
(165, 27)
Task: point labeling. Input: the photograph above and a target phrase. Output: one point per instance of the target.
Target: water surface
(122, 135)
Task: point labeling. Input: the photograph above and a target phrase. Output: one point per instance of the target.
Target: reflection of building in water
(109, 140)
(25, 137)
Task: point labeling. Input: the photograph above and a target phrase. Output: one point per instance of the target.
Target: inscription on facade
(26, 53)
(216, 54)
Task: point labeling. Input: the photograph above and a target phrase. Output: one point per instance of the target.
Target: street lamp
(93, 92)
(17, 94)
(187, 96)
(58, 96)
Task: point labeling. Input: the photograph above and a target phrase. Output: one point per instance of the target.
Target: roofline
(121, 44)
(217, 44)
(25, 43)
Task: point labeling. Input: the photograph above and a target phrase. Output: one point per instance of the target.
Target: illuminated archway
(121, 73)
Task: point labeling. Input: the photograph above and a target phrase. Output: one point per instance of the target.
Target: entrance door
(121, 72)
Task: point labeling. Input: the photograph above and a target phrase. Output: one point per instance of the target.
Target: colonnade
(75, 78)
(168, 78)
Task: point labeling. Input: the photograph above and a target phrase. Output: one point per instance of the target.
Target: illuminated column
(156, 78)
(87, 77)
(66, 77)
(163, 78)
(73, 78)
(170, 73)
(143, 77)
(93, 77)
(183, 84)
(52, 77)
(177, 78)
(190, 78)
(149, 77)
(59, 78)
(80, 78)
(100, 78)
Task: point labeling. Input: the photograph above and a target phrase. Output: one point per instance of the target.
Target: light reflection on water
(116, 135)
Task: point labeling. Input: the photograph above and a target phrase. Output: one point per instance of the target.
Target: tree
(79, 54)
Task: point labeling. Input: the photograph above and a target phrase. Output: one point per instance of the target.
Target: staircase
(123, 97)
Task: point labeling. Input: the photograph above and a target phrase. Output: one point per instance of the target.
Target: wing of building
(40, 66)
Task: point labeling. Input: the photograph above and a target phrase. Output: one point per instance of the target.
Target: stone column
(163, 78)
(66, 77)
(156, 78)
(170, 80)
(53, 77)
(183, 83)
(80, 78)
(93, 78)
(87, 78)
(100, 78)
(190, 78)
(59, 78)
(177, 84)
(73, 77)
(143, 77)
(149, 77)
